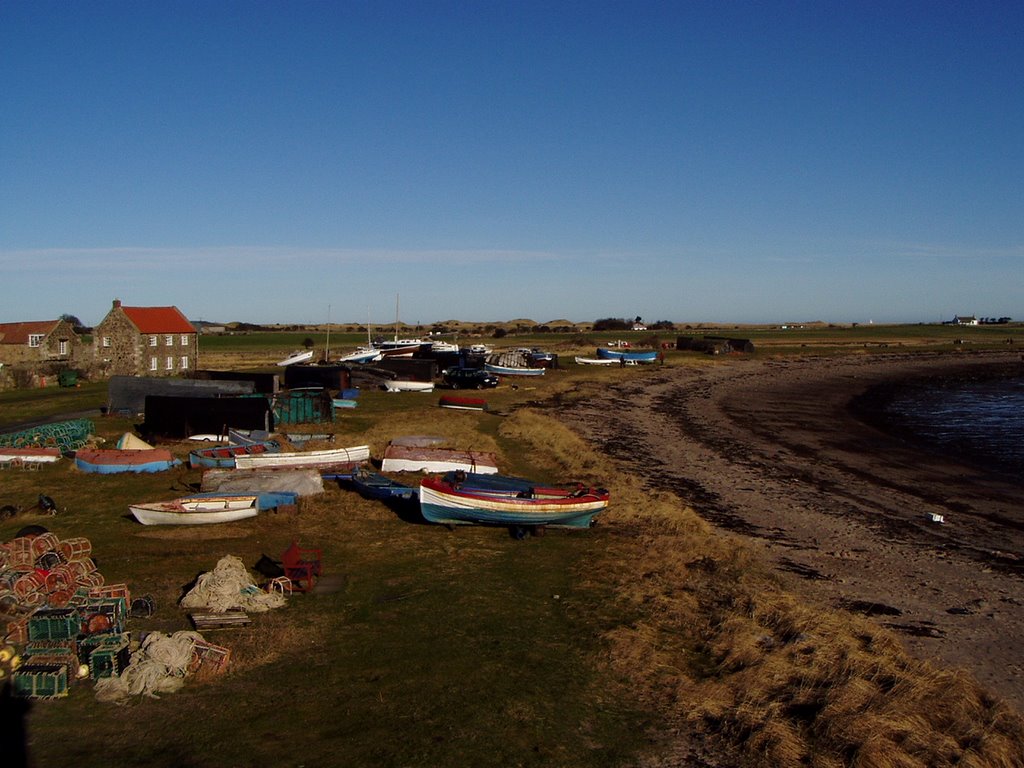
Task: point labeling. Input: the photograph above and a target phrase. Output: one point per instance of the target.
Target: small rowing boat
(293, 459)
(405, 458)
(203, 510)
(224, 455)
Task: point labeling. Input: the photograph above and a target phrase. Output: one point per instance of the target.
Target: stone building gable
(53, 341)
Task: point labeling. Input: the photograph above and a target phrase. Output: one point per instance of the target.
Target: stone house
(31, 351)
(145, 341)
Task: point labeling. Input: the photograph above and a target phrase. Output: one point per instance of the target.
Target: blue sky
(685, 161)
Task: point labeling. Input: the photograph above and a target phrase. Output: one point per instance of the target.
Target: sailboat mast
(327, 350)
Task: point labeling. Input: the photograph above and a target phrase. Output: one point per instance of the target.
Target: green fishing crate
(109, 658)
(54, 624)
(40, 681)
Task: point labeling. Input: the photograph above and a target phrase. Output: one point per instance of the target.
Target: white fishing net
(229, 586)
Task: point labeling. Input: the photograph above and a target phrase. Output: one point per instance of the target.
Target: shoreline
(771, 450)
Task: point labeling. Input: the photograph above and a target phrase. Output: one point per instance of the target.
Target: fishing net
(159, 666)
(229, 586)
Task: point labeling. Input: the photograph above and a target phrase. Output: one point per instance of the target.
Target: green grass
(461, 647)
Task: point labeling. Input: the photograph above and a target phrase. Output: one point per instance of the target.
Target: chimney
(117, 303)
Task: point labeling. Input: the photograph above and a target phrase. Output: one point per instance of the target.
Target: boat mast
(327, 351)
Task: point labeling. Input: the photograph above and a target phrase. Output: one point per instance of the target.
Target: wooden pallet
(228, 620)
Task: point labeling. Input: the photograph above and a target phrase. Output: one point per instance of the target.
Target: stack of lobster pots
(56, 612)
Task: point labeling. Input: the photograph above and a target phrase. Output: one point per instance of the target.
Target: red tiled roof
(18, 333)
(158, 320)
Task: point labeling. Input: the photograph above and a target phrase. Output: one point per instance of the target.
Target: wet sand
(770, 449)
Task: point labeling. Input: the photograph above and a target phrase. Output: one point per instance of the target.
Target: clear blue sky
(684, 161)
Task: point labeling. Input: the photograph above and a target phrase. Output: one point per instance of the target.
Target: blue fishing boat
(466, 497)
(645, 356)
(373, 485)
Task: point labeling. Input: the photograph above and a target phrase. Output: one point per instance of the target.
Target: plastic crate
(40, 681)
(54, 624)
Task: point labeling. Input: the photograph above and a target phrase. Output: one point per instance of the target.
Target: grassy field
(467, 647)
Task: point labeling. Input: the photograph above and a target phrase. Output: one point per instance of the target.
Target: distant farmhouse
(965, 320)
(144, 341)
(36, 342)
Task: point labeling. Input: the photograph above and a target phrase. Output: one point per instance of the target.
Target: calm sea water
(982, 421)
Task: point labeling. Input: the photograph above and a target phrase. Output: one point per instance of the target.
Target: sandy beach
(769, 450)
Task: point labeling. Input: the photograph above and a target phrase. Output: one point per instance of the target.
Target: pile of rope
(160, 665)
(229, 586)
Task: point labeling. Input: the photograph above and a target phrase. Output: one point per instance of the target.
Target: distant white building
(965, 320)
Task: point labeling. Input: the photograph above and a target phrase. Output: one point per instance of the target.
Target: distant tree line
(622, 324)
(993, 320)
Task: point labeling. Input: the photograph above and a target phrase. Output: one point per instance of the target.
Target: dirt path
(770, 450)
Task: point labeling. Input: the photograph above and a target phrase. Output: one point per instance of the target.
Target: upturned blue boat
(645, 356)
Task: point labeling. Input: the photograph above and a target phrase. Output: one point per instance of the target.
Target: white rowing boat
(196, 511)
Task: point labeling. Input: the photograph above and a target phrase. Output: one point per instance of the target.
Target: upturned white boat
(595, 361)
(297, 357)
(405, 458)
(326, 458)
(196, 511)
(399, 385)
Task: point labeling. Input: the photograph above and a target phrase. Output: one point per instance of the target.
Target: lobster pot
(8, 602)
(208, 659)
(32, 600)
(110, 658)
(53, 652)
(59, 598)
(48, 561)
(27, 584)
(90, 580)
(7, 579)
(43, 543)
(20, 553)
(5, 556)
(82, 567)
(103, 615)
(54, 624)
(111, 590)
(75, 549)
(60, 578)
(17, 631)
(41, 681)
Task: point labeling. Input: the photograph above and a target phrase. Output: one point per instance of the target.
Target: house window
(169, 363)
(35, 339)
(106, 341)
(152, 341)
(62, 347)
(169, 340)
(184, 362)
(152, 363)
(184, 339)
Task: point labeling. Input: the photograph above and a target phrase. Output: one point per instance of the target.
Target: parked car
(469, 378)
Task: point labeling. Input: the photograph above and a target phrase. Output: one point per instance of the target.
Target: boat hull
(487, 502)
(207, 510)
(330, 457)
(224, 456)
(640, 357)
(509, 370)
(402, 458)
(112, 461)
